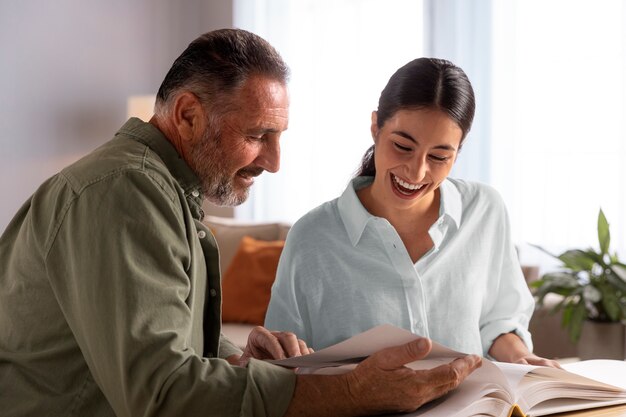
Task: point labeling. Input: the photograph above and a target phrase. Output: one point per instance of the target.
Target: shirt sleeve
(283, 312)
(228, 348)
(118, 264)
(511, 304)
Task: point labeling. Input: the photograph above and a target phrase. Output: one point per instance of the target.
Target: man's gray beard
(206, 160)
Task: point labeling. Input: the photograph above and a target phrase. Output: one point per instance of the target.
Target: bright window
(549, 76)
(341, 53)
(558, 141)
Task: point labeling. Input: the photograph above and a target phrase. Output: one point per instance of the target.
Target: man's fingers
(290, 343)
(452, 374)
(304, 349)
(262, 339)
(266, 344)
(443, 379)
(397, 356)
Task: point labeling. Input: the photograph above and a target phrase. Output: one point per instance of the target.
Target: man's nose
(269, 158)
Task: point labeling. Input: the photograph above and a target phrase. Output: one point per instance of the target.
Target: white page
(610, 372)
(361, 346)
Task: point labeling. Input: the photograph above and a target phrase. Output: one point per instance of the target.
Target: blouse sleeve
(511, 303)
(284, 310)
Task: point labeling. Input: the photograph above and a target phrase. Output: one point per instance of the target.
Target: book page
(607, 371)
(581, 385)
(361, 346)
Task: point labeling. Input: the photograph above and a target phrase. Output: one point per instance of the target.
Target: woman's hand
(532, 359)
(509, 347)
(266, 344)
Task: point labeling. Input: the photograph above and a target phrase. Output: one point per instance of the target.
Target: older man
(110, 287)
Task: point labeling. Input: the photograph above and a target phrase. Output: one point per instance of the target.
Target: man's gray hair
(215, 65)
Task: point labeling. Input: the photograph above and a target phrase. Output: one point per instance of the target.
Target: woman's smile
(405, 189)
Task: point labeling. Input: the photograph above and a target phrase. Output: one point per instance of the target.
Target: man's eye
(255, 137)
(402, 148)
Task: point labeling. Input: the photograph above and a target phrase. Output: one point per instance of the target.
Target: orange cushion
(247, 283)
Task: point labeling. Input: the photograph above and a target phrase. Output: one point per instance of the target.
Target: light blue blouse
(344, 271)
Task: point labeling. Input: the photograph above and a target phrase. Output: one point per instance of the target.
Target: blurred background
(549, 76)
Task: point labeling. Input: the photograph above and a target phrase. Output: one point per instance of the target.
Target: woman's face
(415, 151)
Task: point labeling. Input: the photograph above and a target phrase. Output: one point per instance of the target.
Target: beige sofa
(550, 339)
(228, 234)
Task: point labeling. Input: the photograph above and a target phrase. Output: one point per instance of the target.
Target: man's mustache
(251, 171)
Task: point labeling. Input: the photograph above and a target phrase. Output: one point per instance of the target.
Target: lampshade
(140, 106)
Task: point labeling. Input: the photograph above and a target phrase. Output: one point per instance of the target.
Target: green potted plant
(592, 284)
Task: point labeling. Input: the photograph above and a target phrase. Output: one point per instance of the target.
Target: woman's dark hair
(425, 83)
(215, 64)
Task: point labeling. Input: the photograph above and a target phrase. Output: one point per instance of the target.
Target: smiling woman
(405, 244)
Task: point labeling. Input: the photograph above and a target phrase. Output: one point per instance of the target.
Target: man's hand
(380, 384)
(266, 344)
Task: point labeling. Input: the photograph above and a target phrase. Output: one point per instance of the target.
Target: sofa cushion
(247, 283)
(229, 232)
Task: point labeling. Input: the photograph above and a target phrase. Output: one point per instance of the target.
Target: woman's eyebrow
(445, 147)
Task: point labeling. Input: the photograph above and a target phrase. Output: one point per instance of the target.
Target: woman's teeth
(405, 187)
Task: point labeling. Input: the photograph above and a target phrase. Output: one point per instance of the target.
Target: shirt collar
(355, 217)
(451, 205)
(152, 137)
(352, 212)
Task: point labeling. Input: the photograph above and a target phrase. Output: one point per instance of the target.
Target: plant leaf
(604, 236)
(563, 283)
(567, 314)
(578, 260)
(610, 303)
(592, 294)
(619, 270)
(616, 281)
(579, 315)
(595, 256)
(543, 250)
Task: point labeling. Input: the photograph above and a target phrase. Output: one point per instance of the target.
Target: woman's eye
(438, 158)
(402, 148)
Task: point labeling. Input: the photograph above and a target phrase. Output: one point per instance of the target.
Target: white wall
(66, 69)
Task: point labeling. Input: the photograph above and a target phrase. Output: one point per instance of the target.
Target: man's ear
(188, 116)
(374, 126)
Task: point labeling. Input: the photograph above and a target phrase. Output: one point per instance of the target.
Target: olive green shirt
(110, 301)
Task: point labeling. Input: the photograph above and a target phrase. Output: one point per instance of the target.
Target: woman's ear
(188, 117)
(374, 126)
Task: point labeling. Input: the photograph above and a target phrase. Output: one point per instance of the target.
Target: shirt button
(201, 234)
(209, 355)
(213, 292)
(195, 193)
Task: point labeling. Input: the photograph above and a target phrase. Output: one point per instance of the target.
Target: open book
(496, 389)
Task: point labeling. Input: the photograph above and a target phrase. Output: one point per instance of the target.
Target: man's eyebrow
(261, 130)
(445, 147)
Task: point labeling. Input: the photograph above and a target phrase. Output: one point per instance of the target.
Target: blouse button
(213, 292)
(201, 234)
(195, 193)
